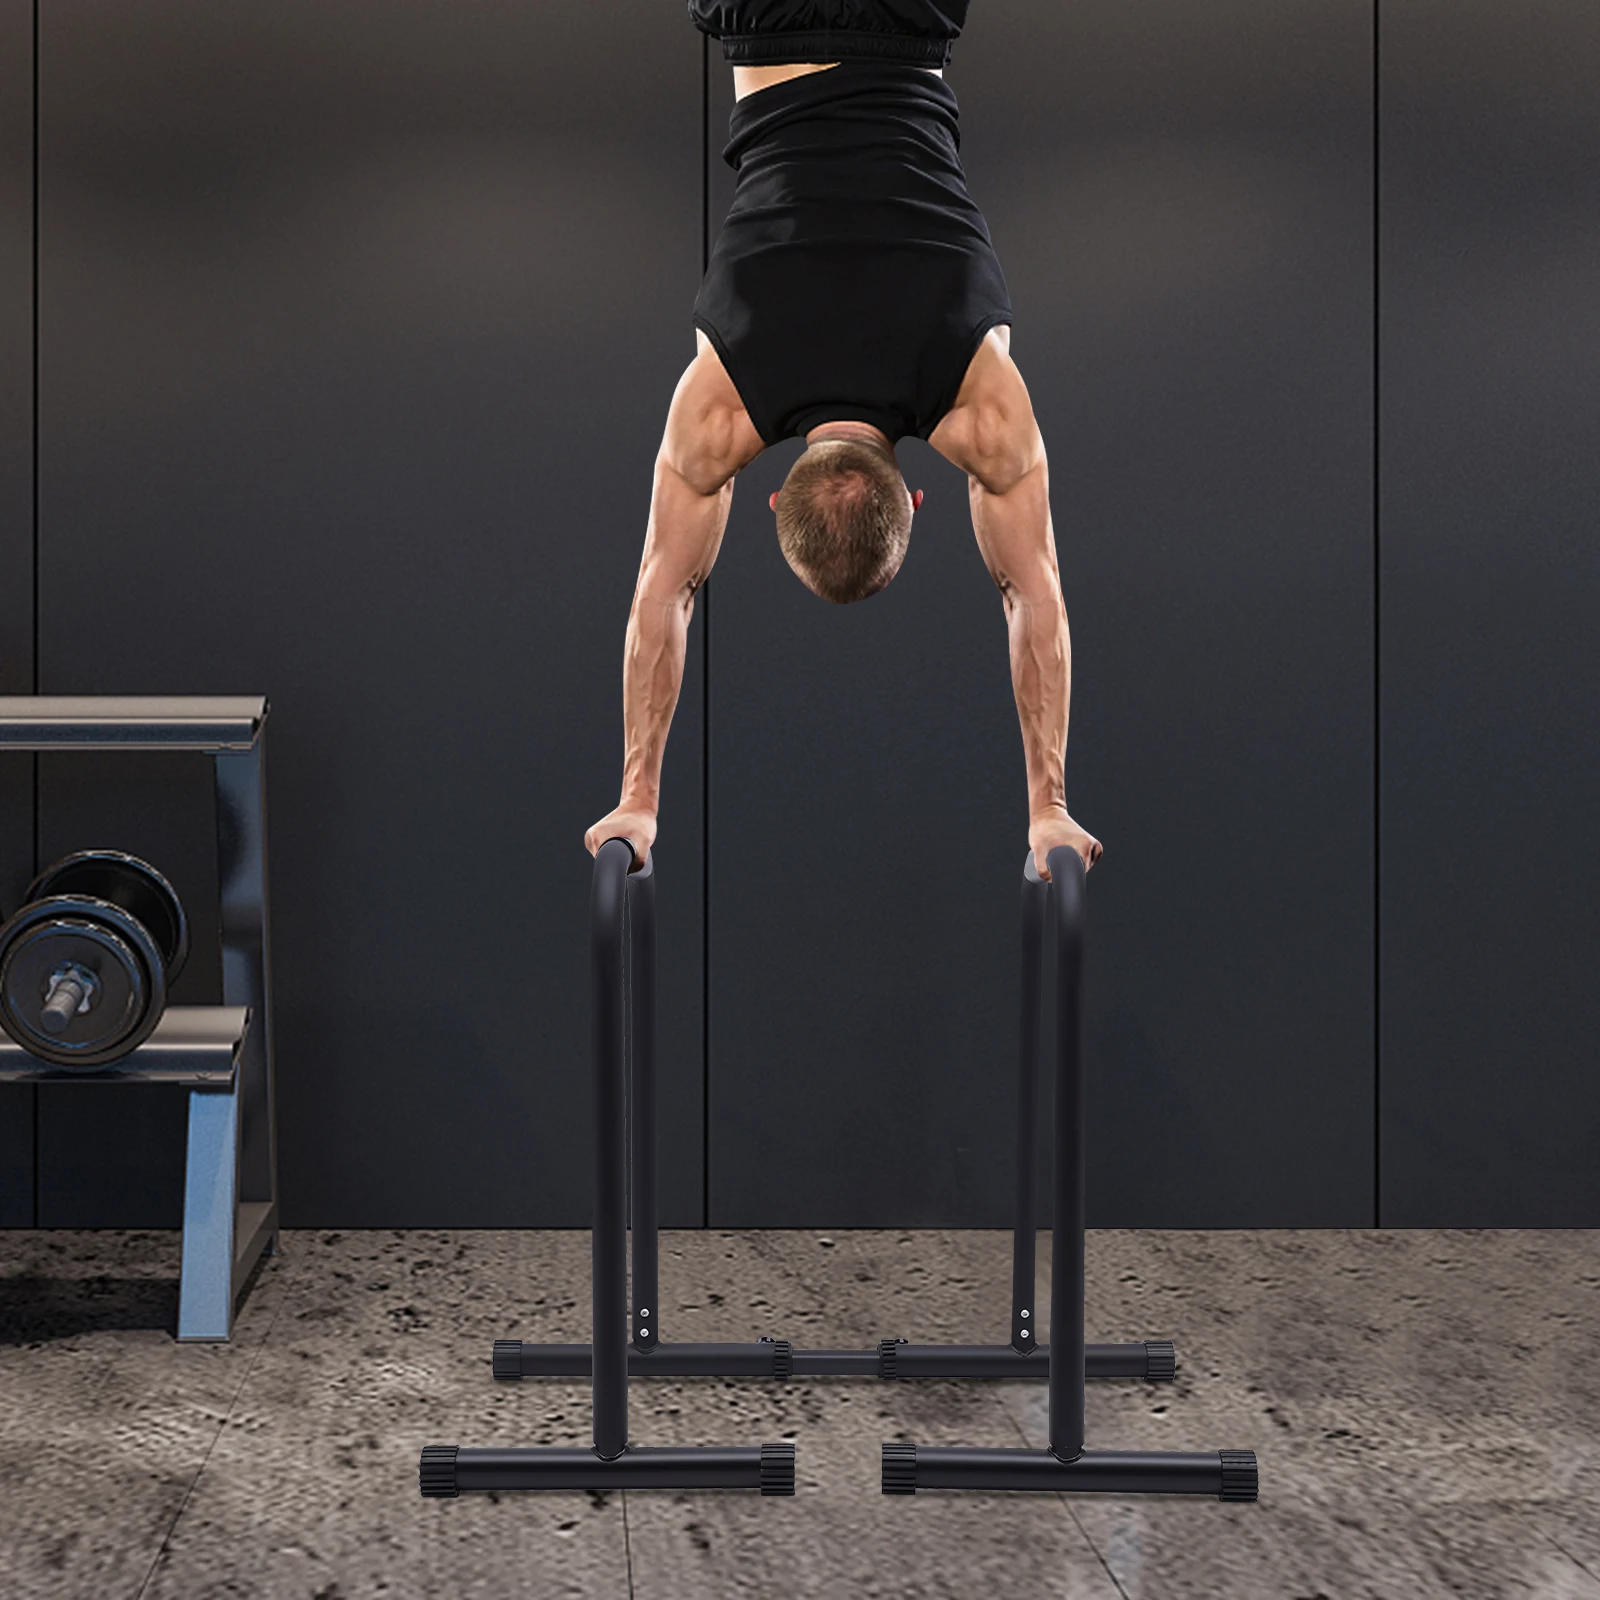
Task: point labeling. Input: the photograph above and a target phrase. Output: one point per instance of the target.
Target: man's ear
(916, 499)
(773, 500)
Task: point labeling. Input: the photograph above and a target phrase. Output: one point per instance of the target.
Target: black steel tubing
(1066, 1465)
(610, 1257)
(1066, 1243)
(836, 1364)
(448, 1471)
(1152, 1361)
(766, 1359)
(1149, 1361)
(1024, 1323)
(1226, 1474)
(641, 894)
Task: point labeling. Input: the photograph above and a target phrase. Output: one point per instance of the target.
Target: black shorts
(854, 277)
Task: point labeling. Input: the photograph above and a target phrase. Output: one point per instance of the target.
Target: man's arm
(991, 435)
(708, 438)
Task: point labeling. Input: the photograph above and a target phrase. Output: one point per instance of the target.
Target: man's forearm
(681, 543)
(1041, 677)
(652, 675)
(1015, 534)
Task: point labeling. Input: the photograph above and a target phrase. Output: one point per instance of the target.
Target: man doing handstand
(853, 298)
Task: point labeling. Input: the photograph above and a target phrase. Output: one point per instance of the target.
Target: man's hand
(636, 824)
(1053, 828)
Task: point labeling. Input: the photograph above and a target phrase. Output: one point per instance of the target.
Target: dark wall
(358, 330)
(1490, 346)
(16, 534)
(1180, 197)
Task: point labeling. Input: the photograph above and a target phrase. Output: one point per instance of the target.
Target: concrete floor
(1425, 1406)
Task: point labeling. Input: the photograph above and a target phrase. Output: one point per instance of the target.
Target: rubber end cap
(1160, 1361)
(1239, 1478)
(777, 1469)
(437, 1474)
(899, 1469)
(888, 1358)
(507, 1361)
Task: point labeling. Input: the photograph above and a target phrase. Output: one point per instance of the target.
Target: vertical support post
(210, 1194)
(1024, 1321)
(610, 1240)
(1066, 1253)
(642, 1033)
(241, 779)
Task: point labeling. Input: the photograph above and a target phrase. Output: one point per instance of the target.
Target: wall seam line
(1377, 651)
(34, 507)
(705, 706)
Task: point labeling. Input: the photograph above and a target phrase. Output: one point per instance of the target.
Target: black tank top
(774, 32)
(854, 275)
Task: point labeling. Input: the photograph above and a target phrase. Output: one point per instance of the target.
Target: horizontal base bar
(761, 1360)
(773, 1358)
(836, 1363)
(1152, 1361)
(447, 1471)
(1227, 1474)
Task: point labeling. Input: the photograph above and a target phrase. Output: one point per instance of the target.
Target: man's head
(844, 514)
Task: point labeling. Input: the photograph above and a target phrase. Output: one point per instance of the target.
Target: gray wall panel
(1490, 585)
(16, 534)
(1181, 198)
(359, 329)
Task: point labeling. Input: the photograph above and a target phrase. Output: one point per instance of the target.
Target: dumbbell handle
(68, 991)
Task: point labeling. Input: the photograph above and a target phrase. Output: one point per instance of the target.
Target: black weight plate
(126, 881)
(119, 1003)
(93, 933)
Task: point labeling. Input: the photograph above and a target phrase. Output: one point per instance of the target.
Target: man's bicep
(684, 533)
(709, 436)
(1015, 536)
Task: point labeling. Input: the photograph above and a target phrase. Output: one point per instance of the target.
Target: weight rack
(650, 1356)
(222, 1053)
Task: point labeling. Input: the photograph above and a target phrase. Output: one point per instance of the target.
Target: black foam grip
(1239, 1477)
(1160, 1361)
(899, 1469)
(888, 1358)
(437, 1474)
(777, 1469)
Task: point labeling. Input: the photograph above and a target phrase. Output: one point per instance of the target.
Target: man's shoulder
(710, 436)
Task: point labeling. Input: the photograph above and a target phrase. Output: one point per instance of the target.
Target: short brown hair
(844, 519)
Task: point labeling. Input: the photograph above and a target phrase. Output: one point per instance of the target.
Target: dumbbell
(85, 965)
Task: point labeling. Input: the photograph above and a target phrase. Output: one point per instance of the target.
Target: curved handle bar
(1066, 875)
(633, 853)
(1030, 873)
(611, 864)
